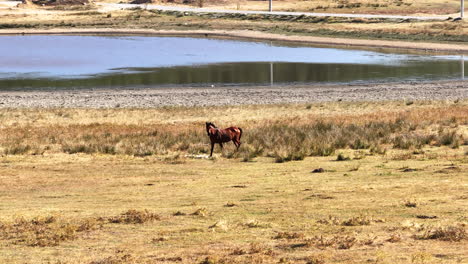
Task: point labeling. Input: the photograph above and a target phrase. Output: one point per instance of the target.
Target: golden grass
(301, 131)
(346, 6)
(431, 31)
(118, 208)
(44, 231)
(334, 6)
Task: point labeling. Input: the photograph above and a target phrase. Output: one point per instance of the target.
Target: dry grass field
(134, 185)
(340, 6)
(90, 16)
(341, 182)
(394, 7)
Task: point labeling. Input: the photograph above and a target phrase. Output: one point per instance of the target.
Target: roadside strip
(112, 6)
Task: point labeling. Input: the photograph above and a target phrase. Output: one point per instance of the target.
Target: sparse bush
(239, 251)
(322, 150)
(342, 157)
(357, 221)
(355, 167)
(259, 248)
(210, 260)
(179, 213)
(316, 259)
(403, 156)
(394, 238)
(289, 235)
(198, 149)
(134, 217)
(449, 138)
(368, 240)
(220, 225)
(410, 203)
(411, 141)
(45, 231)
(359, 143)
(248, 153)
(200, 212)
(120, 257)
(284, 156)
(446, 233)
(256, 224)
(421, 258)
(353, 221)
(377, 149)
(19, 149)
(338, 242)
(331, 220)
(173, 159)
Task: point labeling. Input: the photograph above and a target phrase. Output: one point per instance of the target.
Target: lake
(71, 62)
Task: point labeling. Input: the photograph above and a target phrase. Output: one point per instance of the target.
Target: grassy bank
(428, 31)
(368, 182)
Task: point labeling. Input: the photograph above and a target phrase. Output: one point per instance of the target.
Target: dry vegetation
(92, 17)
(285, 138)
(134, 185)
(335, 6)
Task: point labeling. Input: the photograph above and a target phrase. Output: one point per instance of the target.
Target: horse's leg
(212, 147)
(221, 145)
(236, 143)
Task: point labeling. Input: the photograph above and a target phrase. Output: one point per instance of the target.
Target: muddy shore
(159, 97)
(252, 35)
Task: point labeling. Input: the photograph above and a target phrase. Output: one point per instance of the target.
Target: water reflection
(262, 73)
(36, 62)
(462, 64)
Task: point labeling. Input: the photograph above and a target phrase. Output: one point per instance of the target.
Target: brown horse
(223, 135)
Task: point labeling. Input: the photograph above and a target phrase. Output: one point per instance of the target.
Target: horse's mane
(210, 124)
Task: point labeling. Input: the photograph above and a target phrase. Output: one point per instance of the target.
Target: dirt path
(157, 97)
(245, 34)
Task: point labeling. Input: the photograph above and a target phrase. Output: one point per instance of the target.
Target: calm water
(28, 62)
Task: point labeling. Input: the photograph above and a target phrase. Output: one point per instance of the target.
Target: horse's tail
(240, 135)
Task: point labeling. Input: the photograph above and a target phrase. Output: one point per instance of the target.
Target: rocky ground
(158, 97)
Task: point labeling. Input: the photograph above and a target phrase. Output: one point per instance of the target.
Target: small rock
(239, 186)
(426, 216)
(319, 170)
(408, 170)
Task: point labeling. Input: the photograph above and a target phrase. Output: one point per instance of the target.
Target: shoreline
(218, 96)
(251, 35)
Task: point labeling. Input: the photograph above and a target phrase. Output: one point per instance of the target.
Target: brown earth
(158, 97)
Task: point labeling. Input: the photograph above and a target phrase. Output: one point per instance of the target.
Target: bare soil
(199, 96)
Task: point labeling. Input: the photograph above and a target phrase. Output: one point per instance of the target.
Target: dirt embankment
(157, 97)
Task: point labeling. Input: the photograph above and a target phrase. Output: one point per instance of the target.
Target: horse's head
(208, 126)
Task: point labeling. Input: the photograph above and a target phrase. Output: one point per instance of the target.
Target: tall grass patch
(44, 231)
(283, 139)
